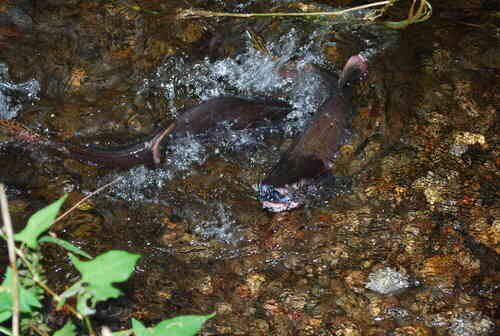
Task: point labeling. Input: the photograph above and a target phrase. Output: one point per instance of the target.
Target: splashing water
(142, 184)
(251, 73)
(184, 153)
(219, 224)
(139, 184)
(12, 96)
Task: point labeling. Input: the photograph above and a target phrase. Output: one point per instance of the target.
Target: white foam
(12, 95)
(250, 73)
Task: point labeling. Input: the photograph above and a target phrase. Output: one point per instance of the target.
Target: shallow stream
(402, 238)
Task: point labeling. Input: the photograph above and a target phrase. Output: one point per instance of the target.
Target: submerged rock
(387, 281)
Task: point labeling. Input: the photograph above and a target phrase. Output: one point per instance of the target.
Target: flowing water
(401, 238)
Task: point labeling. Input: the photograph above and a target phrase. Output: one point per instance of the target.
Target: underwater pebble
(462, 141)
(386, 281)
(412, 331)
(488, 233)
(471, 324)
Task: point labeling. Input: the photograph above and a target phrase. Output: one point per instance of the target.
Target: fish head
(279, 199)
(354, 70)
(286, 186)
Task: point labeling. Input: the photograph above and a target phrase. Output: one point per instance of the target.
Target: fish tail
(21, 133)
(155, 143)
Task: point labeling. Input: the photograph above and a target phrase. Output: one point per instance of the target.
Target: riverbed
(401, 238)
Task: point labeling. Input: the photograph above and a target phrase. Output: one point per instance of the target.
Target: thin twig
(191, 13)
(86, 198)
(31, 269)
(35, 276)
(12, 258)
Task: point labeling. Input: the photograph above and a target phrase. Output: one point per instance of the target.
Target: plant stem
(40, 283)
(89, 326)
(86, 198)
(38, 331)
(189, 13)
(12, 258)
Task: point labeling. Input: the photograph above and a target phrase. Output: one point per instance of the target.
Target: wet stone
(412, 331)
(387, 281)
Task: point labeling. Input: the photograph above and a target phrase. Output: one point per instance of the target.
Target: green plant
(416, 14)
(24, 284)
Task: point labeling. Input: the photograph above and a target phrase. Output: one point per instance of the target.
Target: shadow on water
(400, 236)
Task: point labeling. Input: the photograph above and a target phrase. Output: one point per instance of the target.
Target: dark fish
(144, 152)
(312, 153)
(233, 112)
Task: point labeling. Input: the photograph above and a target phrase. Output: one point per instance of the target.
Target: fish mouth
(359, 62)
(277, 199)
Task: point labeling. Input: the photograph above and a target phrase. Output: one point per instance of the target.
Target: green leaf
(39, 223)
(5, 301)
(5, 315)
(99, 274)
(64, 244)
(5, 331)
(140, 329)
(187, 325)
(27, 298)
(82, 304)
(68, 330)
(128, 332)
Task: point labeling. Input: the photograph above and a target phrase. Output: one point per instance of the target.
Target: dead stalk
(191, 13)
(12, 258)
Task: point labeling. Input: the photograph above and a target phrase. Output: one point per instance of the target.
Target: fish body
(312, 153)
(232, 112)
